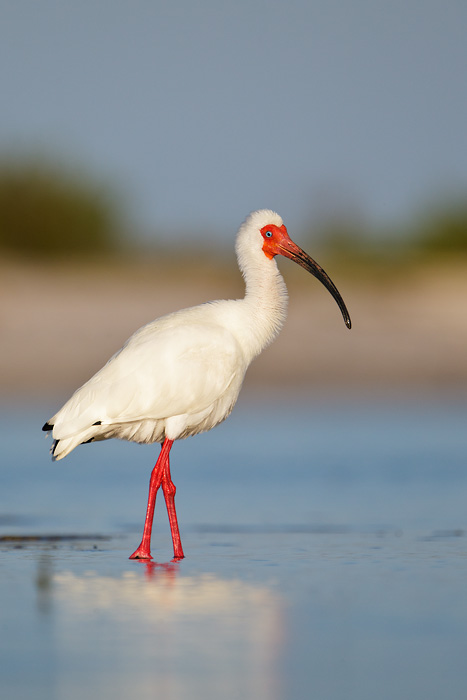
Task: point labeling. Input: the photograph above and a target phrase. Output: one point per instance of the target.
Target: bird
(181, 374)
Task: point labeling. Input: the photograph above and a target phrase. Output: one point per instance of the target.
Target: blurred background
(135, 138)
(328, 553)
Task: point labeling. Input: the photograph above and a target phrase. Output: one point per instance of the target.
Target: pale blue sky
(203, 111)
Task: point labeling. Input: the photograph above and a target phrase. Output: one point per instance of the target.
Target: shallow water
(326, 558)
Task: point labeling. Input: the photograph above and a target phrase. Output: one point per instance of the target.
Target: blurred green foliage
(50, 210)
(443, 230)
(437, 229)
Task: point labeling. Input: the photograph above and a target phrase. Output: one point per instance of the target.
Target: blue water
(326, 558)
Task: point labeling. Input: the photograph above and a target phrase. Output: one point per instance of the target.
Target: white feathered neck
(264, 306)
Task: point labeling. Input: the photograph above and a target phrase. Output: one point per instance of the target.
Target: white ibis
(181, 374)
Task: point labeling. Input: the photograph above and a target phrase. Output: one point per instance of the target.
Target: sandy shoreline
(59, 325)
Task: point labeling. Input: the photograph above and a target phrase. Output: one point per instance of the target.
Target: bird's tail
(62, 447)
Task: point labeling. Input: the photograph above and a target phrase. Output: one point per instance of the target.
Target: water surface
(326, 558)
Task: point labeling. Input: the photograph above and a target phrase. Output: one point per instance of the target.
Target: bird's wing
(163, 370)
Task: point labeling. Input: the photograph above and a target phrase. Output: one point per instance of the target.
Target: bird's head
(266, 231)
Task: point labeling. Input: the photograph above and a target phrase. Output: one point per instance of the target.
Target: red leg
(144, 549)
(168, 487)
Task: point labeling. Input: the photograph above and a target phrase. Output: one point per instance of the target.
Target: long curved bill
(291, 250)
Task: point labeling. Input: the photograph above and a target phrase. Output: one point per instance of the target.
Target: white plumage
(181, 374)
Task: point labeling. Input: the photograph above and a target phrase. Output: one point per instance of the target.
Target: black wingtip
(52, 450)
(47, 427)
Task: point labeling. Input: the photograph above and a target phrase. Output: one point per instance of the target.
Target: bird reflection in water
(162, 631)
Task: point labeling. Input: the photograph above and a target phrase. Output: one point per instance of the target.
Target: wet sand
(60, 323)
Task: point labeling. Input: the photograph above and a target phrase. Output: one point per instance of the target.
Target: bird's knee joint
(169, 488)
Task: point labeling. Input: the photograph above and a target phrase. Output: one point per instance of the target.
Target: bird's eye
(268, 234)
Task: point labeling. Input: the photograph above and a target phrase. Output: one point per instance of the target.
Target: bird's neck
(265, 305)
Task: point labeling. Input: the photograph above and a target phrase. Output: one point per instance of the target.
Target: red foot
(141, 553)
(178, 556)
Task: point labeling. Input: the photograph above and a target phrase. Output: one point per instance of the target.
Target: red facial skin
(280, 243)
(273, 244)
